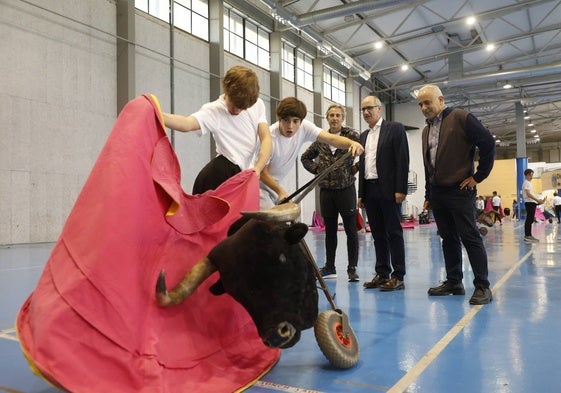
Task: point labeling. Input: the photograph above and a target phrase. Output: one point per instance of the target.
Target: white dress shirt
(370, 150)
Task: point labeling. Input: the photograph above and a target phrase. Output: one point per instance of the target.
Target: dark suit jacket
(392, 159)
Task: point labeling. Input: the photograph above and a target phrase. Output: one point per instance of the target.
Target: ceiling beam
(345, 9)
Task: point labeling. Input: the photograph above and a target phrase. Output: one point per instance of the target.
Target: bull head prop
(263, 266)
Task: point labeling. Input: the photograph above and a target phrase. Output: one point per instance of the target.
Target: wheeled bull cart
(332, 330)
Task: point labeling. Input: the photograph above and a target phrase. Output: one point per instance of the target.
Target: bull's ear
(237, 225)
(295, 233)
(217, 288)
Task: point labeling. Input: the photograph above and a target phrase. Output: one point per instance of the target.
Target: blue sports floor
(409, 342)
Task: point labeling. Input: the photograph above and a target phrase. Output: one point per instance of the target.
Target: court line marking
(283, 388)
(419, 367)
(20, 268)
(9, 334)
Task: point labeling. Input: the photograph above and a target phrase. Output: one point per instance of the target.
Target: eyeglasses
(369, 108)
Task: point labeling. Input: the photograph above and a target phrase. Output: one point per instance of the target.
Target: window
(304, 70)
(233, 32)
(288, 61)
(246, 39)
(333, 86)
(192, 16)
(189, 15)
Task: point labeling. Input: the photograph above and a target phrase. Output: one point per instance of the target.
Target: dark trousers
(496, 208)
(216, 172)
(454, 212)
(334, 203)
(530, 215)
(384, 217)
(558, 212)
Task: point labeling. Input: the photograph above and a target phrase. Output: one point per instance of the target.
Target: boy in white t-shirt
(531, 201)
(238, 124)
(288, 135)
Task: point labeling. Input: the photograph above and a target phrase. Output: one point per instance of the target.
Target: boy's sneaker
(353, 276)
(531, 239)
(328, 272)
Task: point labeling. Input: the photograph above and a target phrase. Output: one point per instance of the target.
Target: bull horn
(191, 281)
(289, 211)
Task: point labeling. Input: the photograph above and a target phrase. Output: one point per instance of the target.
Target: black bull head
(263, 265)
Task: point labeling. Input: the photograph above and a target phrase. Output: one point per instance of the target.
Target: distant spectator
(557, 206)
(531, 202)
(496, 201)
(515, 210)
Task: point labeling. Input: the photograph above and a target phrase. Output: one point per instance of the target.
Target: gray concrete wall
(190, 88)
(58, 106)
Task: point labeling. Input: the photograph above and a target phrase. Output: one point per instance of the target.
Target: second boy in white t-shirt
(288, 135)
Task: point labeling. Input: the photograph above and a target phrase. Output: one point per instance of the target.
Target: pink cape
(92, 324)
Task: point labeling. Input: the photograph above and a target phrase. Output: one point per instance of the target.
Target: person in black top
(337, 193)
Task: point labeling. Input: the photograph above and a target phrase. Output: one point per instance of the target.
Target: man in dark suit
(382, 187)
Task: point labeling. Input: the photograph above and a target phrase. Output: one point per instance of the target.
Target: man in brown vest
(449, 141)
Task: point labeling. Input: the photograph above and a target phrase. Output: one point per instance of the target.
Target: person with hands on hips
(449, 141)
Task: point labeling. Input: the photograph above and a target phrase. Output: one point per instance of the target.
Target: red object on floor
(408, 224)
(92, 324)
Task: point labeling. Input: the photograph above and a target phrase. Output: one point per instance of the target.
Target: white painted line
(9, 334)
(431, 355)
(283, 388)
(15, 269)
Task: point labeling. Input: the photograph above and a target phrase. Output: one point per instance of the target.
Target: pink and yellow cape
(92, 324)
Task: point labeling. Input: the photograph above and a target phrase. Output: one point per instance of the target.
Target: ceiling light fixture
(378, 45)
(490, 47)
(507, 86)
(404, 67)
(277, 17)
(347, 62)
(470, 20)
(325, 48)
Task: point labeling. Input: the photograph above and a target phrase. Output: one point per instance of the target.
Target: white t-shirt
(496, 201)
(235, 135)
(556, 200)
(370, 151)
(479, 204)
(287, 149)
(285, 154)
(527, 185)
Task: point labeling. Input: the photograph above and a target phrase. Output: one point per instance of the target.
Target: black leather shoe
(376, 282)
(393, 284)
(481, 296)
(353, 276)
(447, 288)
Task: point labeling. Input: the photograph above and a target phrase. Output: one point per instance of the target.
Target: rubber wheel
(339, 347)
(483, 231)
